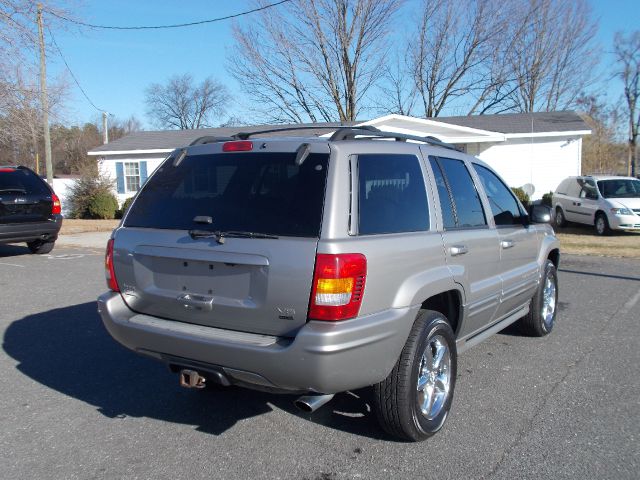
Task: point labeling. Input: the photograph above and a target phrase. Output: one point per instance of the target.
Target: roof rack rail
(209, 139)
(351, 133)
(246, 135)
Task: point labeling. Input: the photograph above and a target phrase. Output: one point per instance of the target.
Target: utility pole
(44, 100)
(105, 128)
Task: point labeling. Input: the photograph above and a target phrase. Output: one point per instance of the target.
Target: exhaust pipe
(191, 379)
(311, 403)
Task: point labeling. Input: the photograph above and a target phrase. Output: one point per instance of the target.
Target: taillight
(338, 286)
(240, 146)
(56, 207)
(112, 283)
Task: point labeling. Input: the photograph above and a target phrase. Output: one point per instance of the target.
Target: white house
(533, 150)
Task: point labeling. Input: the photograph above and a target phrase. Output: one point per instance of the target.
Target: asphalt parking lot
(77, 405)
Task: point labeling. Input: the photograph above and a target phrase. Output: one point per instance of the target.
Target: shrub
(91, 184)
(125, 206)
(102, 206)
(547, 199)
(522, 195)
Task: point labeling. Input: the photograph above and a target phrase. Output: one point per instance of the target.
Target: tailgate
(22, 208)
(206, 283)
(24, 198)
(166, 268)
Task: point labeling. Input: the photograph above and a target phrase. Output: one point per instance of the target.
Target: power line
(156, 27)
(71, 72)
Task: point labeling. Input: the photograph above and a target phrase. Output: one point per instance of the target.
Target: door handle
(577, 204)
(456, 250)
(507, 244)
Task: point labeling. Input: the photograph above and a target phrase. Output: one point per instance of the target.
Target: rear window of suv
(248, 192)
(21, 181)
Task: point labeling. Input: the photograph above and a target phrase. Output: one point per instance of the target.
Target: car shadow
(68, 350)
(10, 250)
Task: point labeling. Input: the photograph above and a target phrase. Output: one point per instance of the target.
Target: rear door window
(392, 196)
(248, 192)
(462, 192)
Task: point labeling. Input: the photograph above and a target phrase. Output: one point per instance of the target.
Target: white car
(606, 202)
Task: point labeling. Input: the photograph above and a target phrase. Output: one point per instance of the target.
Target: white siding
(61, 187)
(542, 162)
(107, 166)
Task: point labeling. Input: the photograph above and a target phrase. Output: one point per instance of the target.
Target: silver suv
(319, 265)
(606, 202)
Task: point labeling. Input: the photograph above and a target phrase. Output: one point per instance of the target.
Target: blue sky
(114, 67)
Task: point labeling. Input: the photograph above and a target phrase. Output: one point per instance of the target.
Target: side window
(392, 197)
(504, 206)
(448, 216)
(589, 190)
(467, 207)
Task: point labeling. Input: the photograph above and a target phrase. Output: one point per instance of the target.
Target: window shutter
(143, 172)
(120, 176)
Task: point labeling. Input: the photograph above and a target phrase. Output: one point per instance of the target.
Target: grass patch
(72, 226)
(584, 241)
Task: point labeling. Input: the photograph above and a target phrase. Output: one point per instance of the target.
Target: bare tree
(554, 56)
(18, 37)
(21, 134)
(627, 51)
(455, 42)
(602, 151)
(481, 56)
(398, 92)
(313, 60)
(181, 104)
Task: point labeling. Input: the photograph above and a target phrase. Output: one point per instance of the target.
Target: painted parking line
(66, 256)
(631, 303)
(12, 264)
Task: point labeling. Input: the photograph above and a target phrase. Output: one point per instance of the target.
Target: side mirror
(540, 214)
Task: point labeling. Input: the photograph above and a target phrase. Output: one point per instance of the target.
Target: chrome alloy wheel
(549, 298)
(434, 377)
(600, 225)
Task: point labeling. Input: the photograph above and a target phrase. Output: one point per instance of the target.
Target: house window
(132, 176)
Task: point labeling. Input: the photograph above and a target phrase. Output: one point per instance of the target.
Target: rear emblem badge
(286, 313)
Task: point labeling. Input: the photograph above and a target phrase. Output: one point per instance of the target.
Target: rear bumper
(324, 357)
(26, 232)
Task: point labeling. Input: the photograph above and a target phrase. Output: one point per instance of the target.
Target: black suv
(29, 210)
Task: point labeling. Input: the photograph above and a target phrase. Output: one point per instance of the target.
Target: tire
(40, 247)
(560, 219)
(543, 308)
(601, 225)
(398, 400)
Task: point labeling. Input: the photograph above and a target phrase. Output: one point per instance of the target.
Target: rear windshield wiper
(219, 236)
(248, 235)
(19, 190)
